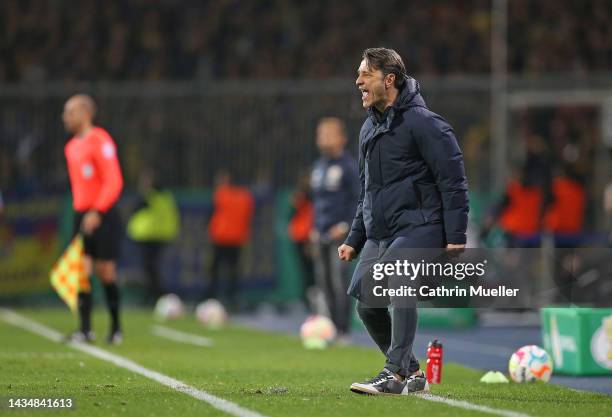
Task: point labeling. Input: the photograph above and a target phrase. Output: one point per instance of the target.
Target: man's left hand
(91, 221)
(455, 249)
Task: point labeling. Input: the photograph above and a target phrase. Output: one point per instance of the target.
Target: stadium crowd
(229, 39)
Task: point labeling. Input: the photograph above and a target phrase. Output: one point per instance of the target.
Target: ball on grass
(317, 332)
(169, 307)
(530, 364)
(211, 313)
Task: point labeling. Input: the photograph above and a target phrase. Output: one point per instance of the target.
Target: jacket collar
(409, 96)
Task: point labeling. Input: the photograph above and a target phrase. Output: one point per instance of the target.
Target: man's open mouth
(364, 94)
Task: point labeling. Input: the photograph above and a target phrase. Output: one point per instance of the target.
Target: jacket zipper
(417, 194)
(382, 188)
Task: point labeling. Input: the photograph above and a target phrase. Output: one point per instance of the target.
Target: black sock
(112, 301)
(84, 304)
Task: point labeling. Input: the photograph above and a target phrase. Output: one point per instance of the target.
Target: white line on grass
(216, 402)
(44, 331)
(472, 407)
(181, 337)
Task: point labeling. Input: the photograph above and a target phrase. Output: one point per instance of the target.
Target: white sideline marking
(229, 407)
(181, 337)
(472, 407)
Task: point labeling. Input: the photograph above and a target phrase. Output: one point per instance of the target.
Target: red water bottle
(434, 362)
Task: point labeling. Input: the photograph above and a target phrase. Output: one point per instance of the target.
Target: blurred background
(189, 88)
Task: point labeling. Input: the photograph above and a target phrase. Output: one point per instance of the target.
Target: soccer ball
(529, 364)
(317, 332)
(169, 307)
(211, 313)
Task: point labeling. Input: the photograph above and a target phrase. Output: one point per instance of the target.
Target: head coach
(413, 195)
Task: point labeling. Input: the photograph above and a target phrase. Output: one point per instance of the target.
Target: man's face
(73, 116)
(371, 83)
(330, 139)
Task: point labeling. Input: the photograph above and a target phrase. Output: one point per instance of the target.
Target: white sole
(364, 389)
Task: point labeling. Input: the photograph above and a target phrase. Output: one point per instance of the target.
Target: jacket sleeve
(357, 235)
(438, 145)
(105, 158)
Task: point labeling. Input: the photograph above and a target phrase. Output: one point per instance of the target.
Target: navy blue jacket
(411, 173)
(335, 191)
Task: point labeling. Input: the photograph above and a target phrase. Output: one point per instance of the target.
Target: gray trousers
(332, 276)
(393, 329)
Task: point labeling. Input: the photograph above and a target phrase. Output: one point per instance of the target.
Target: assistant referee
(96, 182)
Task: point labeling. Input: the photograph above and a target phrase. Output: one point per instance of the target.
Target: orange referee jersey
(230, 224)
(95, 174)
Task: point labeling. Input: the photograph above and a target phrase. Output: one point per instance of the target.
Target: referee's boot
(80, 336)
(115, 338)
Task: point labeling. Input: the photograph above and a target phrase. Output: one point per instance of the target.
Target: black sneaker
(115, 338)
(383, 383)
(416, 384)
(80, 336)
(386, 383)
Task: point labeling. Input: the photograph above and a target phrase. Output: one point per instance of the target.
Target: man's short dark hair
(388, 61)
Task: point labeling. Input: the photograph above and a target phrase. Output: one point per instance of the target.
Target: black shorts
(105, 242)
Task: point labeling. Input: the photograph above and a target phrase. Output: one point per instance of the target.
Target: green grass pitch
(263, 372)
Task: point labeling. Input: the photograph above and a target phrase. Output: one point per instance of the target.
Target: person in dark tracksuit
(335, 190)
(413, 195)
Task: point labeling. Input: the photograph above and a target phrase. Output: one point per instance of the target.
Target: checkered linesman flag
(68, 275)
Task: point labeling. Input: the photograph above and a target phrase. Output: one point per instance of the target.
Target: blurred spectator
(526, 197)
(335, 190)
(300, 225)
(537, 169)
(229, 231)
(518, 213)
(172, 39)
(559, 160)
(564, 217)
(153, 225)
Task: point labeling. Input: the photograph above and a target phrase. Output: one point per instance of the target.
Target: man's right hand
(346, 252)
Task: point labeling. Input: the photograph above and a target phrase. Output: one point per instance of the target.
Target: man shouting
(413, 195)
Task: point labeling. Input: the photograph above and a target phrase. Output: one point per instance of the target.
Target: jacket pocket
(430, 201)
(403, 206)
